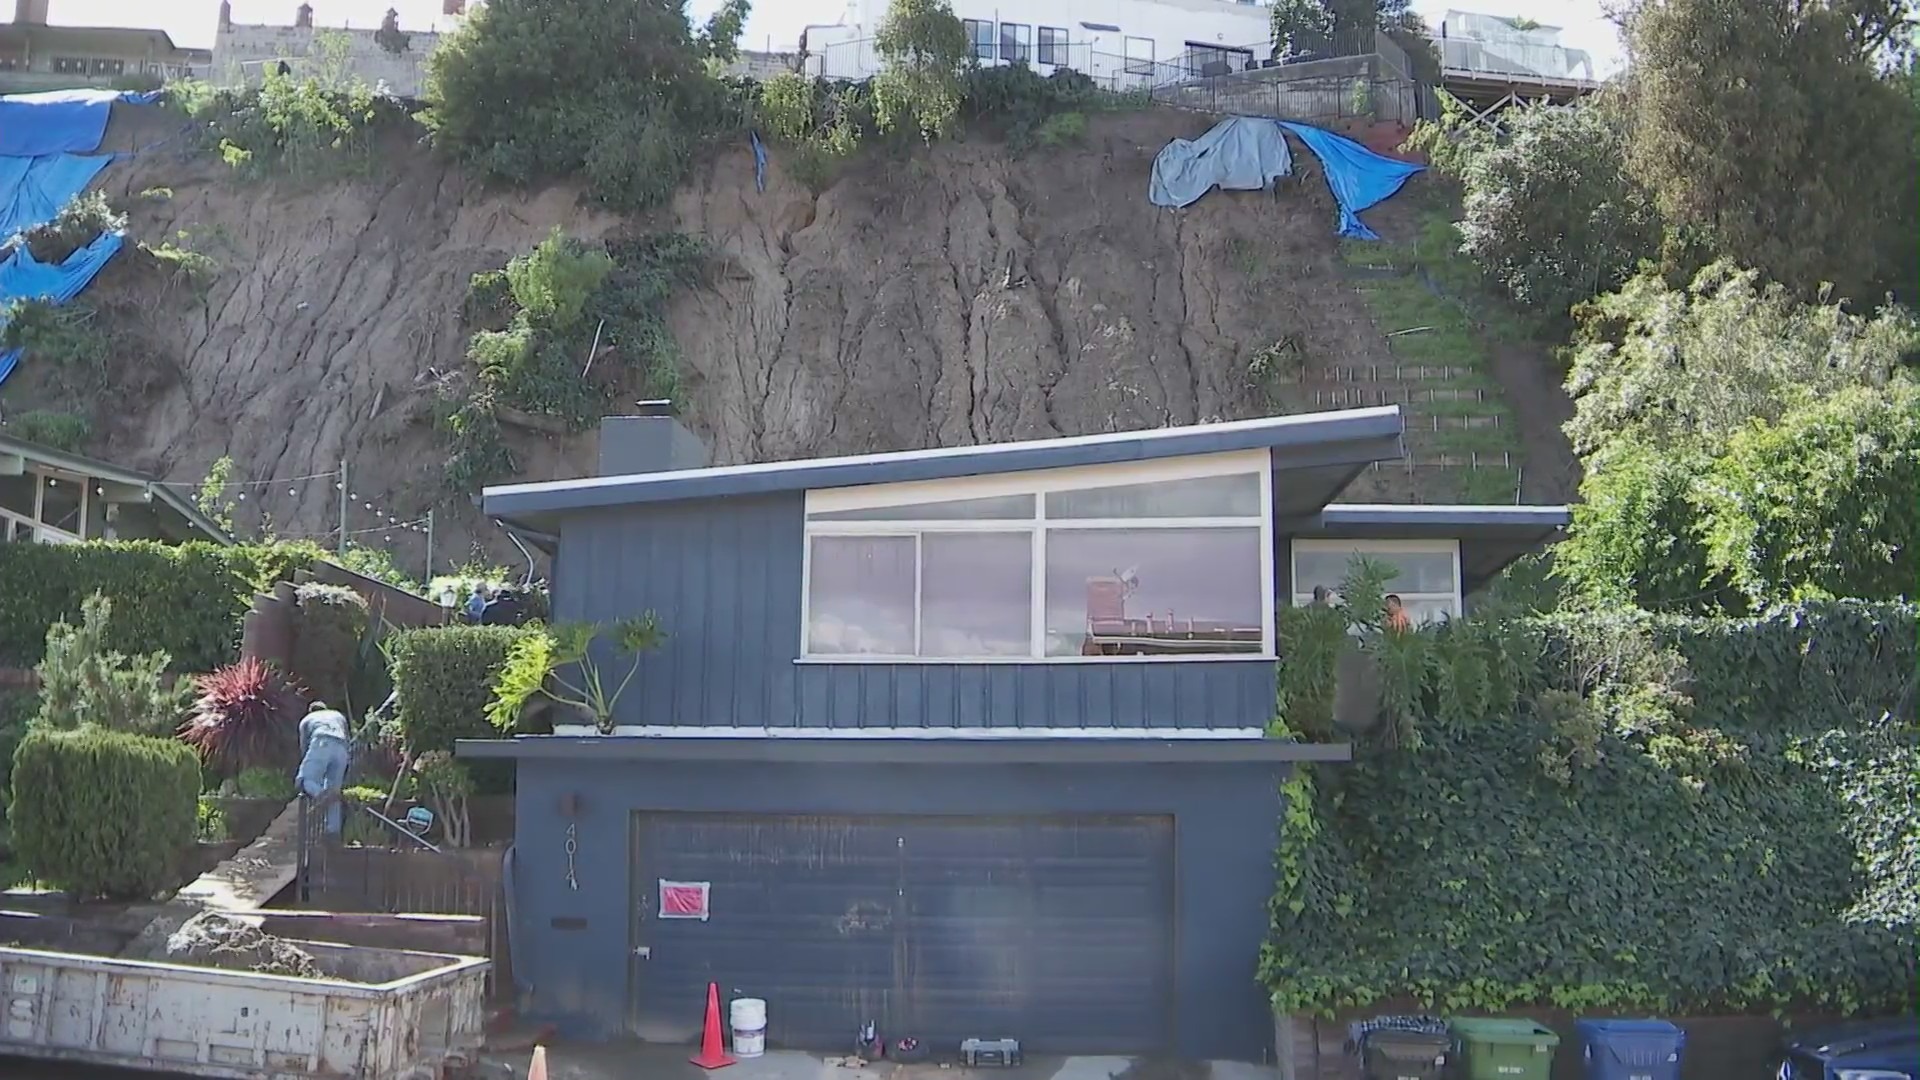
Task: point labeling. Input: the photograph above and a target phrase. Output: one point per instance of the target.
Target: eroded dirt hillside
(958, 295)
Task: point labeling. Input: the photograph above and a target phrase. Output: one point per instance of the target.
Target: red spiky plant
(244, 715)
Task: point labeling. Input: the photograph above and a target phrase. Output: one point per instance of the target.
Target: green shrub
(62, 431)
(445, 676)
(330, 623)
(210, 824)
(185, 600)
(261, 782)
(104, 813)
(17, 709)
(1622, 812)
(528, 90)
(82, 681)
(65, 340)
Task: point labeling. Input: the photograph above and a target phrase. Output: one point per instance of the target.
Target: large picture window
(1160, 560)
(1426, 578)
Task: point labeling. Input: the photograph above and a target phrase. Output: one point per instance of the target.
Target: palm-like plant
(245, 716)
(536, 662)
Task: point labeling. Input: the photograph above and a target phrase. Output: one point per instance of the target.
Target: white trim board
(662, 731)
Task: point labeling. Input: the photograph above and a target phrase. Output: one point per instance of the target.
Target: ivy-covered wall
(186, 600)
(1660, 814)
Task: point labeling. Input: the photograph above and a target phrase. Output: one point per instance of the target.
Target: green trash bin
(1489, 1049)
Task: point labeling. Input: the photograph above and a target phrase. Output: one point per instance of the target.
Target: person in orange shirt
(1397, 619)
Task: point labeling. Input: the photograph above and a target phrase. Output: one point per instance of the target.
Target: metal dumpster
(405, 1011)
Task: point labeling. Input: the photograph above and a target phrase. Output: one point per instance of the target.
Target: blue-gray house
(966, 742)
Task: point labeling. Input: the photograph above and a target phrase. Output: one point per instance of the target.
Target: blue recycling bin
(1630, 1049)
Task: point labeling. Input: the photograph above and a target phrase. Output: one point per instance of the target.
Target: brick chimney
(30, 12)
(453, 7)
(226, 14)
(303, 17)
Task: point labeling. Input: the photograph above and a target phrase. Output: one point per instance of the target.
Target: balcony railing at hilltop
(1358, 75)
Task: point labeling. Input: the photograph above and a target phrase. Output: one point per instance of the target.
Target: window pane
(860, 596)
(980, 32)
(1419, 571)
(1129, 592)
(1053, 45)
(998, 508)
(976, 594)
(1207, 496)
(1015, 42)
(60, 506)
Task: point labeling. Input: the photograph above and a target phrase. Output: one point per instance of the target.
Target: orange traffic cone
(713, 1054)
(538, 1070)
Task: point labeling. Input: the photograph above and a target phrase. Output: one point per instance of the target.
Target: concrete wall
(1224, 834)
(240, 53)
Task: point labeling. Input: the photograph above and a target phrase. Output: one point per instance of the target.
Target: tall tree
(1767, 135)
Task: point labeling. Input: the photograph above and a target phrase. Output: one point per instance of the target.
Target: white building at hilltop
(385, 56)
(1120, 43)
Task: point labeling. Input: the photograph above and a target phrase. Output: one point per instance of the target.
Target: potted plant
(558, 663)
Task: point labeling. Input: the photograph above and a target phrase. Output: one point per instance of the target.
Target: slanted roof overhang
(153, 490)
(1319, 452)
(1491, 537)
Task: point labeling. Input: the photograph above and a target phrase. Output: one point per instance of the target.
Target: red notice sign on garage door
(684, 899)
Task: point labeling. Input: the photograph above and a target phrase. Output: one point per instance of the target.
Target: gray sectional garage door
(1056, 931)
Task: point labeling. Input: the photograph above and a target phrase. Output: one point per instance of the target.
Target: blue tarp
(34, 189)
(23, 277)
(1240, 153)
(1244, 153)
(59, 121)
(1359, 177)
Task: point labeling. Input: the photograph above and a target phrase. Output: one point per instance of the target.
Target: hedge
(187, 600)
(444, 676)
(103, 813)
(1661, 814)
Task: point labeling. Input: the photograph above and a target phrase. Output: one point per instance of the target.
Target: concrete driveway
(623, 1061)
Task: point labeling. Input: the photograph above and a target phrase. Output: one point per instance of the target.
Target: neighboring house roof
(156, 491)
(102, 41)
(1321, 451)
(1491, 537)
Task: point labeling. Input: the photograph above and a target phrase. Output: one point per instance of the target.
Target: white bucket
(748, 1018)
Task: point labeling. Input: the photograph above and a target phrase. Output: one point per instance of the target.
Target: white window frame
(1022, 42)
(1058, 49)
(1137, 65)
(974, 44)
(1038, 484)
(1295, 593)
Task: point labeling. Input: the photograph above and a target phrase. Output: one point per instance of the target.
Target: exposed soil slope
(963, 294)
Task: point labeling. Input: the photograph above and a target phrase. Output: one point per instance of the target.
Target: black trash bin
(1400, 1047)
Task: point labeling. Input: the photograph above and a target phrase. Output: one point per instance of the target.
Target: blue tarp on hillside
(59, 121)
(1240, 153)
(23, 277)
(1245, 153)
(1359, 177)
(34, 189)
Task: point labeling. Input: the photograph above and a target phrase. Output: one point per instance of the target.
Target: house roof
(103, 41)
(1491, 537)
(93, 468)
(1322, 451)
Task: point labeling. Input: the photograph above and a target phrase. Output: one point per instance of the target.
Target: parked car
(1881, 1050)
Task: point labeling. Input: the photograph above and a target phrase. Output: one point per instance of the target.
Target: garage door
(1055, 931)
